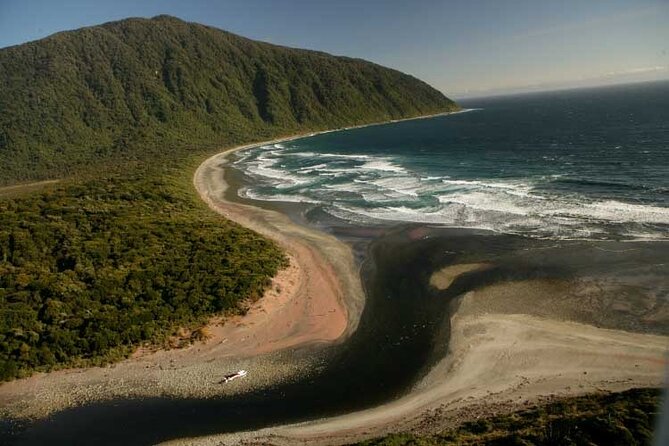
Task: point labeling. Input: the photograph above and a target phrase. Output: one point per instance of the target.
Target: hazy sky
(462, 47)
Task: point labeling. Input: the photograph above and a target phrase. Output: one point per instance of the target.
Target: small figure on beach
(230, 377)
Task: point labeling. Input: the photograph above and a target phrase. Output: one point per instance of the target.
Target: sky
(462, 47)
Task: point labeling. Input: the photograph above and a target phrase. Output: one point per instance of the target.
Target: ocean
(589, 164)
(563, 193)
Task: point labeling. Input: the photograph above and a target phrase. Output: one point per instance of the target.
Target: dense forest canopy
(122, 251)
(129, 89)
(91, 269)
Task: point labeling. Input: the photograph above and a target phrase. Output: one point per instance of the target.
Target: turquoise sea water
(588, 164)
(585, 164)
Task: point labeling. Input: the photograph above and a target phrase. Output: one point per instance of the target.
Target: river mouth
(392, 346)
(403, 332)
(404, 328)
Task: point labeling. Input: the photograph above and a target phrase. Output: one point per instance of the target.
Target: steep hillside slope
(128, 89)
(121, 251)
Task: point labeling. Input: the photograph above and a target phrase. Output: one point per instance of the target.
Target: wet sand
(316, 300)
(513, 336)
(423, 358)
(330, 300)
(505, 321)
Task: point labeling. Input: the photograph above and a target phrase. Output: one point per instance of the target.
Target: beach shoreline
(509, 349)
(526, 357)
(306, 246)
(288, 318)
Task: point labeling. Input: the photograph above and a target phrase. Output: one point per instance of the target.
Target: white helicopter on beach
(230, 377)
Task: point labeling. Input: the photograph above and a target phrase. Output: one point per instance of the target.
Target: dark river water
(403, 331)
(540, 186)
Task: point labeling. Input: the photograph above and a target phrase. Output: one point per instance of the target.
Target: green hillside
(139, 87)
(122, 251)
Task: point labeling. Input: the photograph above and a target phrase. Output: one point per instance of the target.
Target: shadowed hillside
(139, 87)
(122, 251)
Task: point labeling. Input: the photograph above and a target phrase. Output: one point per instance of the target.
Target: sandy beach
(317, 299)
(269, 223)
(505, 351)
(497, 363)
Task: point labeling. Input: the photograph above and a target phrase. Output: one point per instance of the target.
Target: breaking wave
(369, 189)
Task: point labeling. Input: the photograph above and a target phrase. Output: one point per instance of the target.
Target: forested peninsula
(119, 250)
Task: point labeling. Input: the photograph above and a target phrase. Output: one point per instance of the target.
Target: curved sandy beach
(503, 356)
(317, 299)
(499, 360)
(497, 363)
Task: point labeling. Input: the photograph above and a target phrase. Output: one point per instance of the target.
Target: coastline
(330, 285)
(453, 389)
(304, 245)
(463, 388)
(513, 343)
(499, 360)
(333, 259)
(289, 319)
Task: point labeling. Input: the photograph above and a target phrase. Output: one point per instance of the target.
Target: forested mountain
(137, 87)
(122, 251)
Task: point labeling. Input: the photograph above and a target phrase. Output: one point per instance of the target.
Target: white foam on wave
(383, 165)
(340, 182)
(328, 155)
(461, 182)
(465, 110)
(335, 170)
(310, 169)
(403, 185)
(649, 236)
(263, 166)
(521, 189)
(332, 173)
(302, 154)
(344, 156)
(485, 201)
(461, 216)
(617, 212)
(503, 212)
(267, 172)
(288, 198)
(445, 216)
(513, 185)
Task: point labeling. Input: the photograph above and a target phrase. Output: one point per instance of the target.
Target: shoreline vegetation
(627, 419)
(229, 345)
(93, 267)
(91, 270)
(114, 113)
(84, 202)
(289, 319)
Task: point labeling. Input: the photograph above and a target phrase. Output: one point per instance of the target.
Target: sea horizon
(521, 164)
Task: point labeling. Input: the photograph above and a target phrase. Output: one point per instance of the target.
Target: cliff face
(143, 87)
